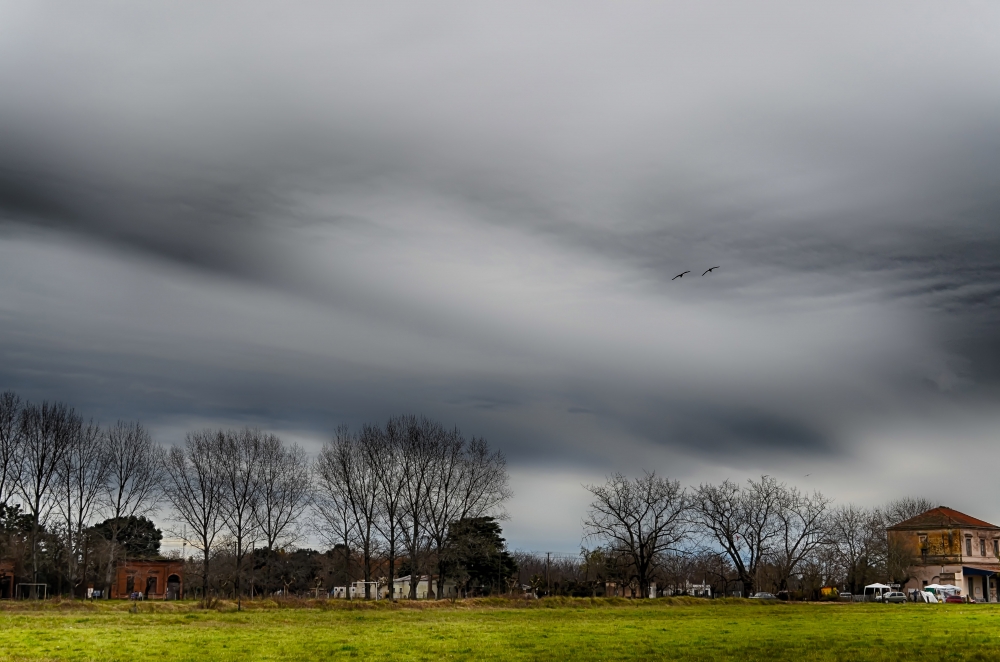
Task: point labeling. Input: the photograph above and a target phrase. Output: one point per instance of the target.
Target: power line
(568, 555)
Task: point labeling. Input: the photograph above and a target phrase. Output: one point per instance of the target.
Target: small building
(426, 586)
(694, 590)
(155, 579)
(375, 590)
(949, 547)
(401, 589)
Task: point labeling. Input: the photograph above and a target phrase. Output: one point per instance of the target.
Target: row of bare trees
(386, 491)
(65, 472)
(393, 490)
(766, 532)
(237, 488)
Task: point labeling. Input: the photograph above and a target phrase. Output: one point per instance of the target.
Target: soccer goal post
(362, 585)
(22, 590)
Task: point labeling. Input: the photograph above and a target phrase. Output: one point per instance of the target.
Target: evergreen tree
(476, 555)
(137, 535)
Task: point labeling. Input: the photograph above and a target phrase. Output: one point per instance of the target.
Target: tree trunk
(392, 568)
(239, 572)
(34, 556)
(267, 575)
(440, 580)
(204, 576)
(368, 572)
(414, 566)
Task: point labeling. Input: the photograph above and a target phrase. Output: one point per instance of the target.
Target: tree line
(407, 497)
(387, 498)
(760, 535)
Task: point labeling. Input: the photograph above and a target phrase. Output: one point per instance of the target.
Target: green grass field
(493, 630)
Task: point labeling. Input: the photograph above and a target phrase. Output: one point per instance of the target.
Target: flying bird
(708, 271)
(681, 275)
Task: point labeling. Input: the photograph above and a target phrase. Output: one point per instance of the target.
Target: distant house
(949, 547)
(357, 590)
(401, 589)
(426, 585)
(695, 590)
(155, 579)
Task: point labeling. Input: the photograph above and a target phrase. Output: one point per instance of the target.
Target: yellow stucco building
(949, 547)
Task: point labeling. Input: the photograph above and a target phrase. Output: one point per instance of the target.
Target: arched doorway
(173, 587)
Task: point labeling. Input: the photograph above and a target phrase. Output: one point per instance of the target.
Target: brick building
(157, 580)
(949, 547)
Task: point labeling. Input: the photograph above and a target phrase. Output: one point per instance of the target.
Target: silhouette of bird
(708, 271)
(681, 275)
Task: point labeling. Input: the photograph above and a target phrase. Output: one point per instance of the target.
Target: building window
(968, 546)
(996, 547)
(982, 546)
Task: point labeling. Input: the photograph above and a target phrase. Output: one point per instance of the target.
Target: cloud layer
(299, 217)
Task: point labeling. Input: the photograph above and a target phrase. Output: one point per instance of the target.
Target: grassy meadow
(552, 629)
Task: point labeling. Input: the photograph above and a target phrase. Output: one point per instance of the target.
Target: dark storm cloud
(198, 218)
(486, 206)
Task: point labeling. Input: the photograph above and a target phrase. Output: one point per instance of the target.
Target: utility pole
(548, 583)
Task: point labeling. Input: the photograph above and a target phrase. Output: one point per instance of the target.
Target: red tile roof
(943, 518)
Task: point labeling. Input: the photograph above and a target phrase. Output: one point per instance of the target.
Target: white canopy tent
(876, 591)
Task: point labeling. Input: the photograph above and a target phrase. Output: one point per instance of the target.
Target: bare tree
(418, 456)
(900, 510)
(11, 440)
(468, 481)
(345, 461)
(333, 509)
(283, 477)
(717, 511)
(642, 517)
(384, 452)
(192, 482)
(803, 520)
(485, 483)
(444, 494)
(857, 537)
(743, 522)
(80, 485)
(46, 432)
(239, 455)
(132, 487)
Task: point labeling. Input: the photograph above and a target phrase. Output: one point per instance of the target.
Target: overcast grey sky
(300, 215)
